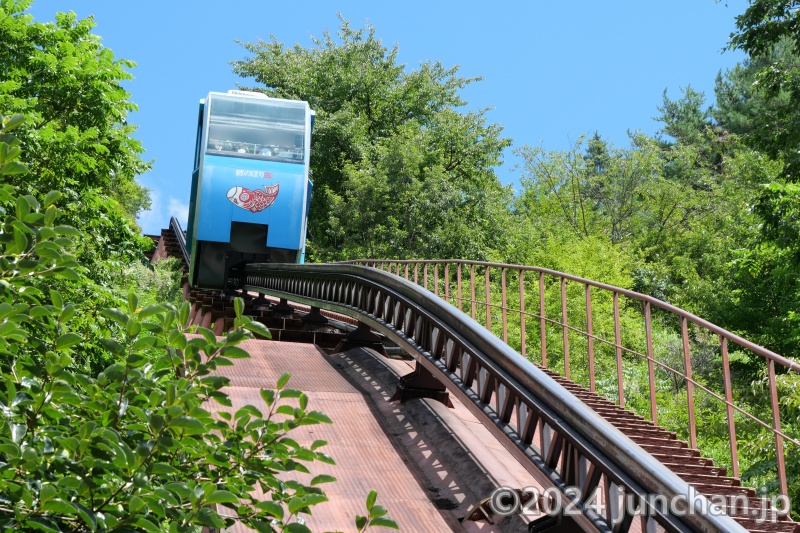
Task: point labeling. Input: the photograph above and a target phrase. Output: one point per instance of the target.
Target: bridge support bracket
(361, 337)
(421, 384)
(482, 511)
(314, 317)
(283, 308)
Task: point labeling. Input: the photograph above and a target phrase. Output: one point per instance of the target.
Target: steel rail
(175, 226)
(649, 303)
(517, 401)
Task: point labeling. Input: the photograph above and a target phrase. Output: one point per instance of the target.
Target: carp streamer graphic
(254, 201)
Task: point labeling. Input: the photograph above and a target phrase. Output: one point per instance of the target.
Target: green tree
(383, 136)
(77, 141)
(685, 120)
(77, 137)
(764, 119)
(767, 32)
(133, 447)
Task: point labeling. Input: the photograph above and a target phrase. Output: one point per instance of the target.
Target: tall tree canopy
(769, 81)
(77, 139)
(399, 168)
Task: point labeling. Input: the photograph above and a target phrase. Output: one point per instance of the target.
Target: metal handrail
(741, 341)
(175, 226)
(494, 381)
(648, 302)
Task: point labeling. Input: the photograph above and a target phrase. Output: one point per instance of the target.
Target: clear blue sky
(552, 70)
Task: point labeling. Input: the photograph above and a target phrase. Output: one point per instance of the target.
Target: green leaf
(150, 310)
(148, 341)
(68, 339)
(371, 497)
(322, 478)
(116, 315)
(55, 298)
(285, 410)
(290, 393)
(87, 515)
(68, 273)
(59, 507)
(383, 521)
(295, 504)
(296, 527)
(66, 313)
(52, 197)
(163, 469)
(190, 425)
(376, 511)
(135, 504)
(238, 306)
(268, 396)
(20, 239)
(112, 346)
(13, 168)
(361, 522)
(271, 508)
(208, 335)
(67, 230)
(47, 492)
(258, 328)
(41, 523)
(282, 380)
(9, 450)
(147, 523)
(318, 416)
(222, 496)
(13, 121)
(234, 352)
(18, 432)
(314, 499)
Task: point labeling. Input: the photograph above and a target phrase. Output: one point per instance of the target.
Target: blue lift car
(250, 185)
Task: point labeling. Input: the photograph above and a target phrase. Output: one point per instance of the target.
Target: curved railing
(557, 437)
(175, 226)
(574, 316)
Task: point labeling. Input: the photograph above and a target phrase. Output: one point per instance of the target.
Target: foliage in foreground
(134, 447)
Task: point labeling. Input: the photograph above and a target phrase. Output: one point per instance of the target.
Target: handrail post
(542, 321)
(618, 346)
(687, 365)
(590, 336)
(458, 288)
(523, 341)
(472, 290)
(776, 425)
(726, 370)
(436, 279)
(504, 309)
(564, 327)
(651, 372)
(447, 282)
(488, 301)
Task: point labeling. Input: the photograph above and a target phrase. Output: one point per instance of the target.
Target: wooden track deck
(428, 463)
